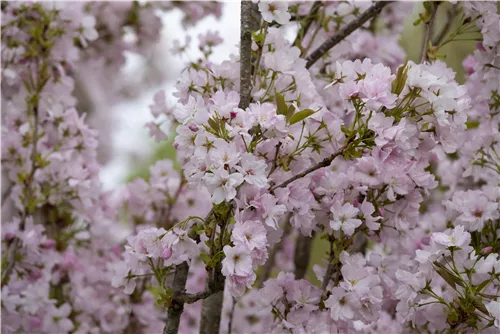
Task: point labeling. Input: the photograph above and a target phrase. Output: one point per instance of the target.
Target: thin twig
(427, 35)
(13, 248)
(324, 163)
(268, 267)
(330, 268)
(307, 24)
(304, 51)
(174, 199)
(245, 54)
(345, 31)
(451, 13)
(7, 192)
(275, 161)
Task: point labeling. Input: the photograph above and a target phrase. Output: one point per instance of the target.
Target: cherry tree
(331, 135)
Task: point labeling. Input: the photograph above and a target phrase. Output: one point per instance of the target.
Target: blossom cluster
(61, 233)
(393, 166)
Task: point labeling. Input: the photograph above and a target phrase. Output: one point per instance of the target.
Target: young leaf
(399, 82)
(480, 306)
(289, 113)
(301, 115)
(281, 105)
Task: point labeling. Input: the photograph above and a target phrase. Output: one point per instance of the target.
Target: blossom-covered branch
(386, 169)
(345, 31)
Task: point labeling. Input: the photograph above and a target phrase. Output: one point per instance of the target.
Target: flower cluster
(391, 167)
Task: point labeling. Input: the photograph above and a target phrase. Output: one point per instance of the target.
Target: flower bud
(381, 212)
(9, 236)
(486, 250)
(48, 244)
(167, 253)
(193, 127)
(426, 240)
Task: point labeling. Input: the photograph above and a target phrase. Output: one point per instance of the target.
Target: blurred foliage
(161, 151)
(412, 37)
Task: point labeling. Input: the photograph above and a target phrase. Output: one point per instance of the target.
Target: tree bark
(246, 54)
(302, 255)
(212, 306)
(177, 307)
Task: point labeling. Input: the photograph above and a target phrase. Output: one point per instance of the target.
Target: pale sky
(130, 135)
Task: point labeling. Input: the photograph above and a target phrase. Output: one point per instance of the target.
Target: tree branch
(7, 192)
(246, 54)
(427, 35)
(451, 13)
(302, 255)
(268, 267)
(307, 24)
(175, 310)
(329, 269)
(212, 305)
(16, 243)
(325, 163)
(345, 31)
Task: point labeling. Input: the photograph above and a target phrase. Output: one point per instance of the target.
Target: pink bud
(34, 322)
(9, 236)
(193, 127)
(233, 114)
(486, 250)
(167, 253)
(48, 244)
(176, 146)
(355, 203)
(381, 212)
(117, 250)
(35, 274)
(426, 240)
(469, 64)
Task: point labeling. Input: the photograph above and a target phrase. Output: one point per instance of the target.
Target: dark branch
(325, 163)
(307, 24)
(345, 31)
(175, 310)
(7, 192)
(302, 255)
(451, 14)
(268, 267)
(246, 54)
(427, 35)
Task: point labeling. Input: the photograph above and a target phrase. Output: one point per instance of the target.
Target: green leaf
(301, 115)
(356, 154)
(206, 259)
(482, 285)
(472, 124)
(480, 306)
(399, 82)
(281, 105)
(447, 277)
(213, 124)
(289, 114)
